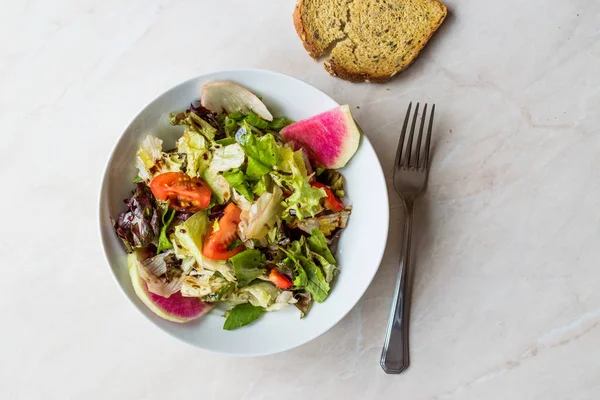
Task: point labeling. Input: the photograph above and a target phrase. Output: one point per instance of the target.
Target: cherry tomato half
(330, 202)
(183, 192)
(217, 242)
(279, 279)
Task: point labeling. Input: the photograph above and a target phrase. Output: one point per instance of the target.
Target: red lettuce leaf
(139, 226)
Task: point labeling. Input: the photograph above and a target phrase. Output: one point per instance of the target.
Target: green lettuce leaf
(261, 294)
(237, 180)
(195, 147)
(208, 287)
(262, 215)
(263, 185)
(307, 274)
(294, 256)
(151, 161)
(300, 277)
(263, 152)
(247, 266)
(318, 244)
(163, 241)
(317, 284)
(220, 187)
(320, 252)
(190, 235)
(147, 156)
(193, 122)
(283, 300)
(242, 315)
(327, 267)
(255, 169)
(327, 224)
(225, 158)
(305, 200)
(188, 239)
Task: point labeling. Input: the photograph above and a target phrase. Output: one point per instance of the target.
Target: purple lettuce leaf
(139, 226)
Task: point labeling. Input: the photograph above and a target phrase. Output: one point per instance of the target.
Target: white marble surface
(506, 299)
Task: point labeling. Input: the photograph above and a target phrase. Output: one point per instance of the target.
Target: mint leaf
(242, 315)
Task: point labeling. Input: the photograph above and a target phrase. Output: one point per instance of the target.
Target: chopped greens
(279, 123)
(257, 121)
(262, 243)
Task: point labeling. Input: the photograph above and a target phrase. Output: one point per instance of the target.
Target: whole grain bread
(370, 40)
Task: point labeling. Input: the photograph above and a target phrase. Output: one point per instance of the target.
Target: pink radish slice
(176, 308)
(329, 139)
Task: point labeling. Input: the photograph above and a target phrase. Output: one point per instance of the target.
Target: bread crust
(302, 33)
(348, 74)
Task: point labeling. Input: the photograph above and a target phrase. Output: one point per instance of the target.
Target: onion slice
(222, 95)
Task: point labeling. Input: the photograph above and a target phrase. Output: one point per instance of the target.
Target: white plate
(360, 247)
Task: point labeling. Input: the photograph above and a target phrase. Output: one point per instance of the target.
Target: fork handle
(394, 357)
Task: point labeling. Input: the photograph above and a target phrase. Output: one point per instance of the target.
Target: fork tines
(407, 155)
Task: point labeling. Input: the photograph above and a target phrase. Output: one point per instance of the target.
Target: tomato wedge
(183, 192)
(279, 279)
(217, 241)
(330, 202)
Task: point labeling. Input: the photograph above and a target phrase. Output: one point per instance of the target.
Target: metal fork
(410, 177)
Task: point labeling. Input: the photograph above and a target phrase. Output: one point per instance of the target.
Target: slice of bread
(371, 40)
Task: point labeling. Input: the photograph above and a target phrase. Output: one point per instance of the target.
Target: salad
(244, 210)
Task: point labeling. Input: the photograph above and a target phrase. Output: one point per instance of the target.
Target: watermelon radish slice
(176, 308)
(219, 96)
(330, 139)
